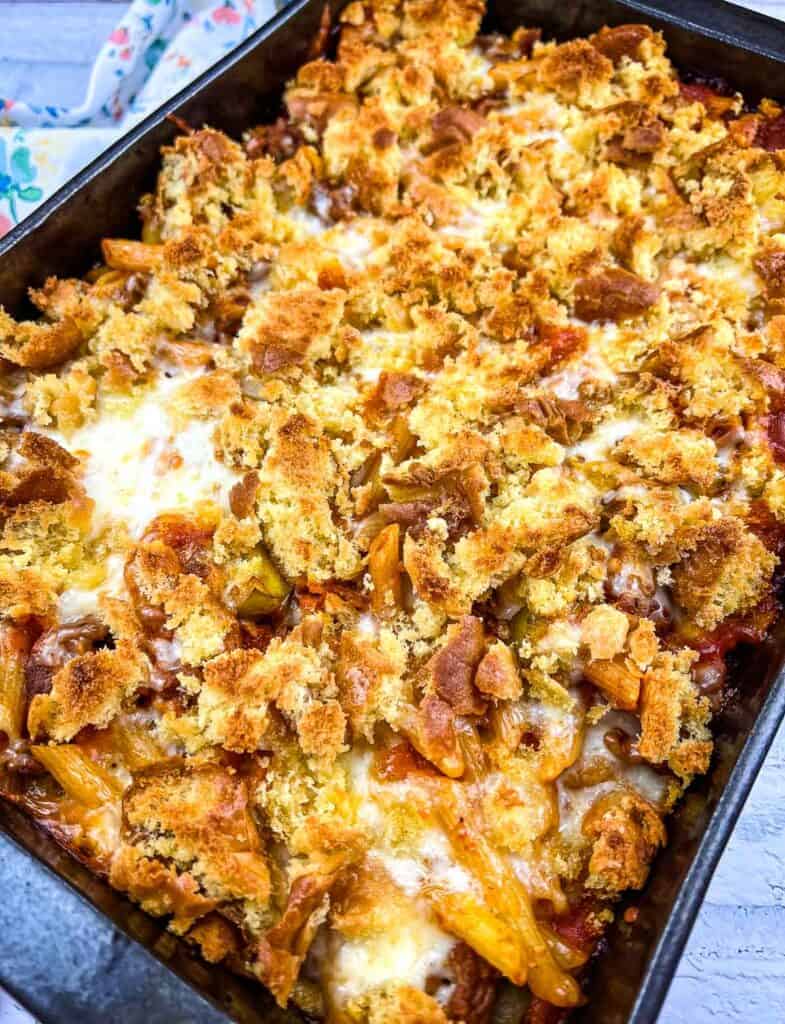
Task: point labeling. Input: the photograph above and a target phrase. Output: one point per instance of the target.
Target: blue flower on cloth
(17, 173)
(158, 47)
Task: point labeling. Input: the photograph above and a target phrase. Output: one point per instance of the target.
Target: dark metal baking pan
(63, 237)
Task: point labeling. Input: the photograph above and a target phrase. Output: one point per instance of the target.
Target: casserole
(604, 989)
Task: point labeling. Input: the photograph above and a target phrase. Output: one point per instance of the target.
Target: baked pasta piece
(373, 530)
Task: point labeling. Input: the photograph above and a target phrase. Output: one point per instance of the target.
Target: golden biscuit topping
(374, 529)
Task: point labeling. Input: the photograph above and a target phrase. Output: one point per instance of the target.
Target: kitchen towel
(156, 49)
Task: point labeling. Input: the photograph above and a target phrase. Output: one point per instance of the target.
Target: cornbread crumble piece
(375, 527)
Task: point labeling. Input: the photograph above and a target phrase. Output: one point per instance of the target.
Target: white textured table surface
(734, 966)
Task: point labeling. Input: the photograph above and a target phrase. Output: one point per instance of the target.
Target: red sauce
(394, 764)
(749, 629)
(540, 1012)
(578, 927)
(771, 133)
(713, 94)
(710, 671)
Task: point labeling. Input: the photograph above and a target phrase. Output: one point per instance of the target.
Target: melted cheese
(599, 444)
(410, 950)
(413, 946)
(566, 382)
(139, 463)
(642, 778)
(354, 245)
(426, 857)
(78, 602)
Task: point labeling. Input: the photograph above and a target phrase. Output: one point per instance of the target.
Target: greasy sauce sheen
(374, 530)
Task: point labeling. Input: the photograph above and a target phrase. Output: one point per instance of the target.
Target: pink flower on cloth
(5, 225)
(226, 15)
(135, 69)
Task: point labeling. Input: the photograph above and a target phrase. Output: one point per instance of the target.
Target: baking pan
(62, 237)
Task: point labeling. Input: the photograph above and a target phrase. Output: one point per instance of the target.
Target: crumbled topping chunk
(374, 529)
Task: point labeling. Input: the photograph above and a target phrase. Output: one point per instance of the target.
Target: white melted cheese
(566, 382)
(600, 442)
(478, 220)
(407, 952)
(138, 464)
(643, 778)
(574, 804)
(725, 269)
(354, 246)
(308, 224)
(427, 858)
(413, 946)
(368, 364)
(78, 602)
(431, 861)
(727, 450)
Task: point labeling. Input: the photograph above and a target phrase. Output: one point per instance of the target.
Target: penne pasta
(468, 919)
(138, 747)
(13, 650)
(385, 569)
(474, 757)
(421, 727)
(621, 684)
(83, 779)
(125, 254)
(567, 956)
(505, 892)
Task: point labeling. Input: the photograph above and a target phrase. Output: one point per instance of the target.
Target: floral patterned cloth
(158, 47)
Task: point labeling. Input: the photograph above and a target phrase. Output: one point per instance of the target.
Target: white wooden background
(734, 967)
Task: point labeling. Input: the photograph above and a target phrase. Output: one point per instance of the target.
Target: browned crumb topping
(373, 529)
